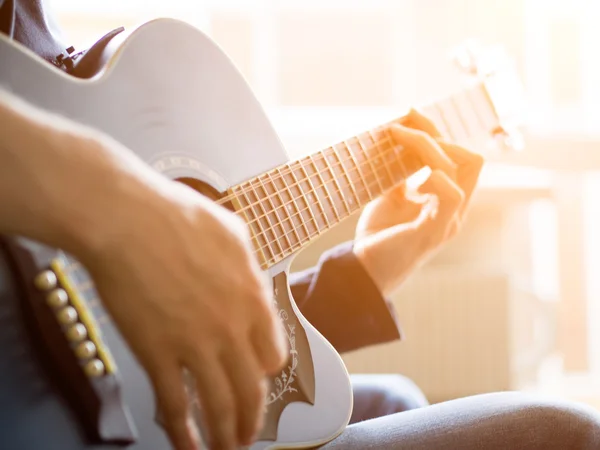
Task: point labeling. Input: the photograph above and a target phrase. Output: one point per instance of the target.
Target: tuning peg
(472, 59)
(466, 57)
(509, 138)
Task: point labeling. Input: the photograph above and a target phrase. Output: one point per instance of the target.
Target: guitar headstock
(498, 74)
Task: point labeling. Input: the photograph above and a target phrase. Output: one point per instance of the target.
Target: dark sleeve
(339, 299)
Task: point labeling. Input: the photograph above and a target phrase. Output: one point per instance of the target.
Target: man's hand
(186, 292)
(174, 270)
(398, 231)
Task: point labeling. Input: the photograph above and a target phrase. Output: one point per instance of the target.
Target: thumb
(450, 199)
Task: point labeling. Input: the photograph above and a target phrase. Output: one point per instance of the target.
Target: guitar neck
(289, 206)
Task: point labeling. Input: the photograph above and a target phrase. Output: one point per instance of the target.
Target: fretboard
(289, 206)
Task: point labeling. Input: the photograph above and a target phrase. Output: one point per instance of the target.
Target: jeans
(504, 420)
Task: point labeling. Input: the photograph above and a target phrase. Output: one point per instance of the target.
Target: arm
(339, 298)
(74, 188)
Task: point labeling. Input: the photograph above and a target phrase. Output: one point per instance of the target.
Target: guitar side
(173, 97)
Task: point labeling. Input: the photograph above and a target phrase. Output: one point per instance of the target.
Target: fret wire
(460, 117)
(266, 215)
(476, 107)
(329, 197)
(308, 207)
(252, 232)
(312, 214)
(330, 168)
(297, 183)
(347, 175)
(282, 173)
(465, 105)
(260, 203)
(386, 162)
(295, 206)
(442, 115)
(307, 240)
(317, 200)
(269, 198)
(285, 211)
(358, 167)
(365, 152)
(437, 119)
(434, 107)
(379, 152)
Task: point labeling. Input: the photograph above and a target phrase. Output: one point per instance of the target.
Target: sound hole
(205, 189)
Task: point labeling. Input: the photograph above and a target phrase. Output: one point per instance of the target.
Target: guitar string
(263, 232)
(468, 93)
(299, 242)
(314, 172)
(451, 128)
(286, 169)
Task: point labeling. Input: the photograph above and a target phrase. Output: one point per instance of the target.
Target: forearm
(339, 298)
(58, 179)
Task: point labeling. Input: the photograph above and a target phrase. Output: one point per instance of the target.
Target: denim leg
(499, 421)
(381, 395)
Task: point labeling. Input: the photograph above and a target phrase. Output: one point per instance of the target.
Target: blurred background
(513, 302)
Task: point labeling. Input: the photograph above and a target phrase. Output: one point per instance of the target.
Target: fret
(360, 157)
(454, 123)
(449, 132)
(303, 214)
(255, 204)
(355, 202)
(472, 121)
(265, 220)
(348, 160)
(460, 118)
(258, 238)
(337, 184)
(291, 205)
(311, 193)
(283, 214)
(320, 183)
(325, 196)
(483, 108)
(369, 156)
(433, 113)
(307, 192)
(271, 215)
(361, 175)
(380, 145)
(275, 222)
(384, 157)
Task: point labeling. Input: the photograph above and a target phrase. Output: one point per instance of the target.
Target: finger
(416, 120)
(174, 404)
(268, 339)
(469, 168)
(450, 198)
(218, 408)
(248, 382)
(425, 147)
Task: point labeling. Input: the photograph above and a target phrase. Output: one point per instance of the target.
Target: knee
(564, 425)
(392, 393)
(404, 393)
(578, 425)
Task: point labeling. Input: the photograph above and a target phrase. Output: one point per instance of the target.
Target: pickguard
(295, 383)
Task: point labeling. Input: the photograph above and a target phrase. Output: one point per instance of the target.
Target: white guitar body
(173, 97)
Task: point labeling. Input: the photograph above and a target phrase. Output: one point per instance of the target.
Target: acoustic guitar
(68, 381)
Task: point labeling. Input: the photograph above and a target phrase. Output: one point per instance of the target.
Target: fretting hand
(398, 231)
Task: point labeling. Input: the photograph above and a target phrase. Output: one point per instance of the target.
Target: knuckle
(224, 411)
(455, 196)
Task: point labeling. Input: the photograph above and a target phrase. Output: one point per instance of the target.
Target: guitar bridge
(70, 345)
